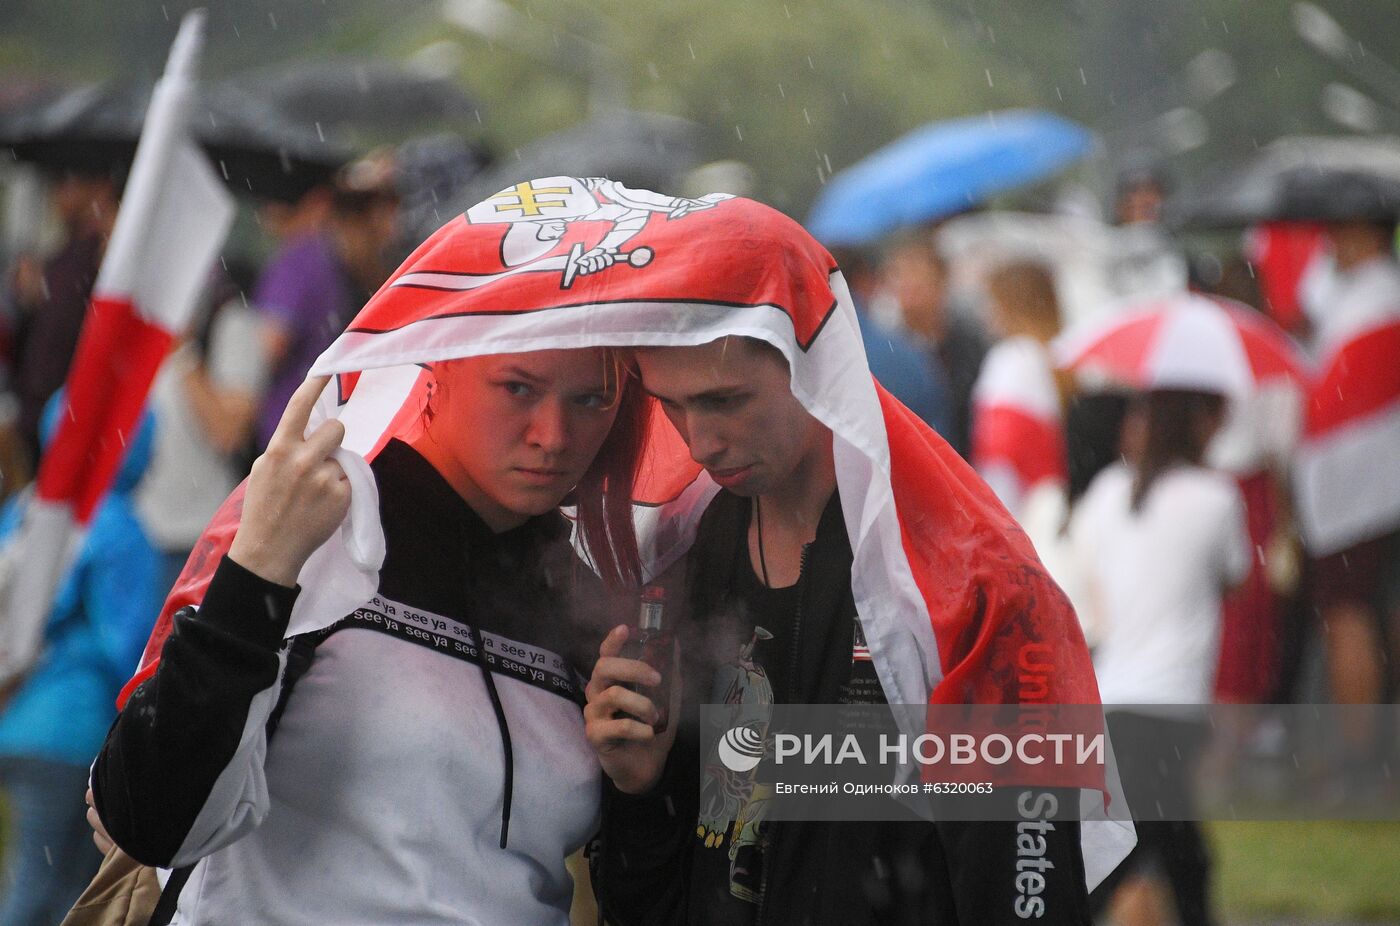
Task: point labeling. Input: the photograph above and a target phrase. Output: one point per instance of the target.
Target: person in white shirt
(1348, 293)
(206, 402)
(1164, 538)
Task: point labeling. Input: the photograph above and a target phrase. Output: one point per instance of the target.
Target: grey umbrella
(641, 150)
(1298, 179)
(256, 149)
(361, 93)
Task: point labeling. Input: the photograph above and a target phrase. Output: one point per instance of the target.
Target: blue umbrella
(941, 169)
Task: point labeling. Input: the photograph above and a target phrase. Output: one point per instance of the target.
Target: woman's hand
(630, 751)
(297, 495)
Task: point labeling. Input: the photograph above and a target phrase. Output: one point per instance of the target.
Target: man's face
(732, 403)
(917, 281)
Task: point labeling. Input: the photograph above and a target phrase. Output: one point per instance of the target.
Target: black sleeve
(182, 727)
(1018, 871)
(641, 874)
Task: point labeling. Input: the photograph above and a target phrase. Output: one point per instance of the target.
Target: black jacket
(847, 873)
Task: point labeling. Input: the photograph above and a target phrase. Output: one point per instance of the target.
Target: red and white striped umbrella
(1187, 341)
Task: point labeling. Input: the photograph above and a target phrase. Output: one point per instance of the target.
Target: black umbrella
(647, 151)
(255, 148)
(361, 93)
(1298, 179)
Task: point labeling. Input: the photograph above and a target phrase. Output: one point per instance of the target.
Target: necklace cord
(758, 524)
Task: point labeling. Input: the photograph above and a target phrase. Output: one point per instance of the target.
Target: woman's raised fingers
(292, 426)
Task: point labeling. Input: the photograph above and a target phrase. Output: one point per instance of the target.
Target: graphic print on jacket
(732, 806)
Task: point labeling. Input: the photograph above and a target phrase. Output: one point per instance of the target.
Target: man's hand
(297, 495)
(100, 838)
(630, 751)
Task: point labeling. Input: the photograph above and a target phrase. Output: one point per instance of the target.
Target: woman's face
(514, 433)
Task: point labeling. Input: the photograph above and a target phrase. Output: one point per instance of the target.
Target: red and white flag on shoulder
(172, 221)
(1346, 480)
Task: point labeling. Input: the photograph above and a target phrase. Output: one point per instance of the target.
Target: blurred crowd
(1130, 496)
(211, 410)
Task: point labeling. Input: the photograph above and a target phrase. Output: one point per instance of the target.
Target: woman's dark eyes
(517, 388)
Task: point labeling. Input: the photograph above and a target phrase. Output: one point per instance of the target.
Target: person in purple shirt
(336, 239)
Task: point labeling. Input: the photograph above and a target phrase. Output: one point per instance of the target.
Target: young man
(771, 605)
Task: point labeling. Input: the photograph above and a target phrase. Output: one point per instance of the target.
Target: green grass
(1328, 870)
(1323, 870)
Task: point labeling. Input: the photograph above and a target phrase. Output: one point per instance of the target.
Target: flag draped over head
(949, 592)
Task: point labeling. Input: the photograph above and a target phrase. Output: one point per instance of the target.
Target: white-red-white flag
(172, 221)
(1348, 485)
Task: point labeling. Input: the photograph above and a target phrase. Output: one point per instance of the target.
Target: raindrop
(988, 72)
(1059, 94)
(781, 93)
(1082, 79)
(805, 116)
(945, 43)
(165, 12)
(319, 134)
(845, 99)
(236, 33)
(992, 35)
(810, 65)
(272, 19)
(826, 158)
(692, 50)
(478, 115)
(738, 131)
(651, 70)
(224, 169)
(787, 11)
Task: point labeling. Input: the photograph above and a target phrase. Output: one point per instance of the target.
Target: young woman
(430, 764)
(1164, 538)
(1018, 443)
